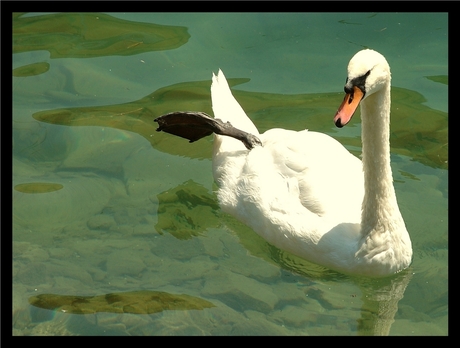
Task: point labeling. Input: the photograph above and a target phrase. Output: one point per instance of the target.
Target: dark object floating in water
(194, 125)
(444, 79)
(31, 69)
(38, 187)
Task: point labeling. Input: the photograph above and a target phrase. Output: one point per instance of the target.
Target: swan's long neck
(380, 211)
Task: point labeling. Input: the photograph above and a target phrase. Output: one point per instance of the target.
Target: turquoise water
(116, 228)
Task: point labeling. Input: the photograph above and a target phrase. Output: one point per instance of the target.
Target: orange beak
(348, 107)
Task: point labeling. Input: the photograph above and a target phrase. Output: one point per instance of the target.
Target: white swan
(304, 192)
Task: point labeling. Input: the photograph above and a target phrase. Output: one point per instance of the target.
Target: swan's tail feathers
(194, 125)
(225, 106)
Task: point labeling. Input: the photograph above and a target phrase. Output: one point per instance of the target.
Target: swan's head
(368, 73)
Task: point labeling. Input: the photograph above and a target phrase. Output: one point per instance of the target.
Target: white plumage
(305, 193)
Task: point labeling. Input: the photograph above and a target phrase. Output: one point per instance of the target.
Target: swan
(303, 191)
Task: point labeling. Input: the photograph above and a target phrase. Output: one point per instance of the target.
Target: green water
(116, 228)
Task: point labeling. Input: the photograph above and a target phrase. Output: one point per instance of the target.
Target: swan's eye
(359, 82)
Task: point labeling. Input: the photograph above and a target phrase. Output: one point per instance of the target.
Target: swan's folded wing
(329, 177)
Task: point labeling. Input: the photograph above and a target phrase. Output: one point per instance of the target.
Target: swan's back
(322, 168)
(304, 172)
(277, 197)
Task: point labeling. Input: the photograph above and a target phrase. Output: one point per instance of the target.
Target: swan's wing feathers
(320, 166)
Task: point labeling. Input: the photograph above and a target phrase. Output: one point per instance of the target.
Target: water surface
(117, 229)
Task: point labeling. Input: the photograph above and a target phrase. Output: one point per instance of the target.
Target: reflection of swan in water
(380, 303)
(379, 299)
(303, 191)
